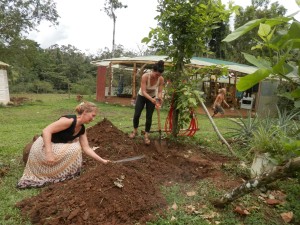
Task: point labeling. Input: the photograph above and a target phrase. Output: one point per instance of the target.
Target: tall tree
(216, 46)
(18, 17)
(110, 7)
(183, 28)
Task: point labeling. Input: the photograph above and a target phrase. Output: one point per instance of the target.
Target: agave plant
(243, 128)
(286, 120)
(268, 140)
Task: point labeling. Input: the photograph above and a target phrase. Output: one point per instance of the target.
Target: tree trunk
(179, 70)
(277, 173)
(216, 129)
(112, 51)
(114, 32)
(175, 129)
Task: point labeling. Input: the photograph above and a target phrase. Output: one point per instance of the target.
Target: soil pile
(123, 193)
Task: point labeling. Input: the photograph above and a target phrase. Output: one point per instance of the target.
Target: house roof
(195, 62)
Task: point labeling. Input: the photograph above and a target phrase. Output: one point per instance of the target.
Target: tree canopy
(18, 17)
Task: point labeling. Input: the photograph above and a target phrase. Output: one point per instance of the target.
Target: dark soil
(97, 195)
(4, 169)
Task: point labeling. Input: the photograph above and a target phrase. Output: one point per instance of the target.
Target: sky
(85, 25)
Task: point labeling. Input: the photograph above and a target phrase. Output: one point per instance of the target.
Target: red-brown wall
(101, 78)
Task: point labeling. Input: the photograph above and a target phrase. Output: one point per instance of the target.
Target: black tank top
(66, 135)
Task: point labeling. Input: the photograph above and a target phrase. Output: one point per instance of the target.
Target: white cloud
(85, 26)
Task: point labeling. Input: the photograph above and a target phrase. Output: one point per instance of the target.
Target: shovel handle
(158, 118)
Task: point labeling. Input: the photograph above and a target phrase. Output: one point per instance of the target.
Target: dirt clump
(16, 101)
(4, 169)
(121, 193)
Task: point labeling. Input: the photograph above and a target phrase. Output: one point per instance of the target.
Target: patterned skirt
(38, 173)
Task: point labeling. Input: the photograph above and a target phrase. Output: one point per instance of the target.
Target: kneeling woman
(57, 154)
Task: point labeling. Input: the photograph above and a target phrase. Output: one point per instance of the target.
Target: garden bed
(93, 197)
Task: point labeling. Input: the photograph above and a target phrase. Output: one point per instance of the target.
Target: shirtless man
(217, 106)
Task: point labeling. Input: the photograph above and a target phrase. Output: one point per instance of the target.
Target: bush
(41, 87)
(20, 87)
(81, 89)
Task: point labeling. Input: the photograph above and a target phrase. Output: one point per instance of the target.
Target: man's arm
(226, 102)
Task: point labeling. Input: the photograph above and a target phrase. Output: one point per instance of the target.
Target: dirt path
(96, 197)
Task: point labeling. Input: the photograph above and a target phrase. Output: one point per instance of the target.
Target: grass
(20, 123)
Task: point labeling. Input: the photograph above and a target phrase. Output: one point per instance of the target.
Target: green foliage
(277, 135)
(285, 101)
(257, 10)
(183, 28)
(55, 69)
(41, 87)
(20, 88)
(269, 140)
(281, 46)
(243, 129)
(188, 99)
(280, 38)
(22, 16)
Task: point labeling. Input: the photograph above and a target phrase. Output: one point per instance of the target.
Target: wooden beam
(134, 81)
(110, 79)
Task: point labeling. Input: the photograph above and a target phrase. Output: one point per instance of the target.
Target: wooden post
(134, 81)
(110, 79)
(234, 100)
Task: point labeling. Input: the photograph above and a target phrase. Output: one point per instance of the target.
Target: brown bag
(27, 148)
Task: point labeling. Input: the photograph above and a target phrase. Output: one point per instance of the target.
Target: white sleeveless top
(151, 90)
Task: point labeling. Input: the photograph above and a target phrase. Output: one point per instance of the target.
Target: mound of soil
(122, 193)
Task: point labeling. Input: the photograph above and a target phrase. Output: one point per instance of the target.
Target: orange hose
(193, 126)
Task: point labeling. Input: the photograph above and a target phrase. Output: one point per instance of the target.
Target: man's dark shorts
(218, 109)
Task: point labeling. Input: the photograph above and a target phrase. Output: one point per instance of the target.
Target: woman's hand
(50, 158)
(153, 100)
(158, 102)
(106, 161)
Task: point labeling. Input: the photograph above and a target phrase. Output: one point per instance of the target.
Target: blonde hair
(85, 107)
(222, 90)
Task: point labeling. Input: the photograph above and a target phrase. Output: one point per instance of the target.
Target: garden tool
(129, 159)
(159, 145)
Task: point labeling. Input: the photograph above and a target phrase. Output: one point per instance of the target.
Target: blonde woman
(57, 154)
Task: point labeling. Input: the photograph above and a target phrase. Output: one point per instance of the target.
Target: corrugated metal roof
(230, 65)
(216, 61)
(195, 61)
